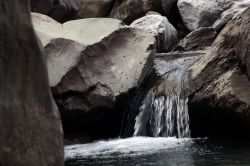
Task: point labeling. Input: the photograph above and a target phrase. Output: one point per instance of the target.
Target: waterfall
(163, 116)
(164, 110)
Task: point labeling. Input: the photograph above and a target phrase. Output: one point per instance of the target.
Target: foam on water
(134, 146)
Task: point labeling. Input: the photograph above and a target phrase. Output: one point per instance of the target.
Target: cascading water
(164, 111)
(161, 111)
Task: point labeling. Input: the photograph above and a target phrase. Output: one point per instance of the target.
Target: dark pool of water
(160, 151)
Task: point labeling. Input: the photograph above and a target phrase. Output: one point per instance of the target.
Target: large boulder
(202, 13)
(129, 10)
(116, 64)
(83, 31)
(30, 125)
(220, 83)
(92, 69)
(160, 27)
(95, 85)
(70, 38)
(199, 39)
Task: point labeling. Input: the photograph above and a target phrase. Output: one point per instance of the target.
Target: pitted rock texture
(220, 79)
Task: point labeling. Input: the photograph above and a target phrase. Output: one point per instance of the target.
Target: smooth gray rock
(83, 31)
(70, 39)
(165, 33)
(31, 131)
(118, 62)
(202, 13)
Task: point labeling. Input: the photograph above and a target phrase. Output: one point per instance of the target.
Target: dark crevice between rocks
(210, 120)
(86, 125)
(157, 6)
(175, 19)
(131, 109)
(130, 113)
(99, 123)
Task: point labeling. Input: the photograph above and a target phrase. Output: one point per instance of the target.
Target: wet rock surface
(152, 111)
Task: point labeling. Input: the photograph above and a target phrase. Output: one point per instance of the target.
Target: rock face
(129, 10)
(202, 13)
(199, 39)
(160, 27)
(237, 8)
(221, 79)
(30, 126)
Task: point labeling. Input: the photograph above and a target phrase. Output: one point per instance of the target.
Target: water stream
(164, 111)
(159, 152)
(161, 131)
